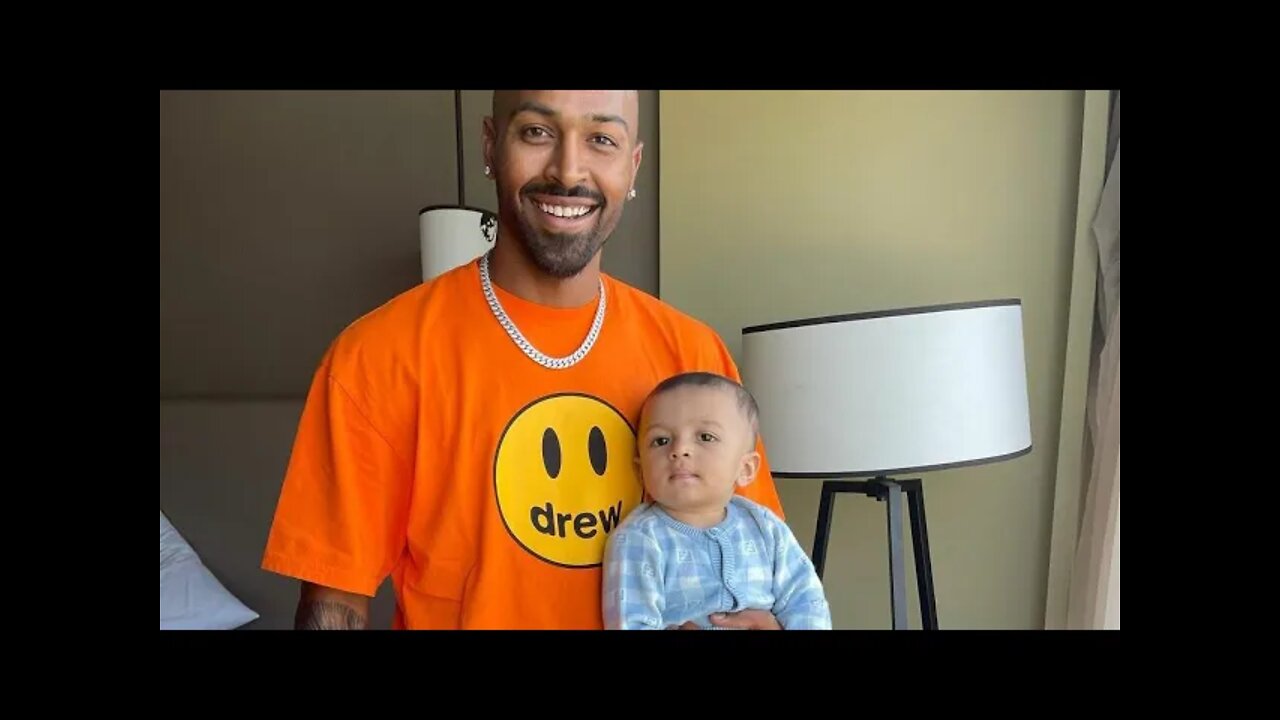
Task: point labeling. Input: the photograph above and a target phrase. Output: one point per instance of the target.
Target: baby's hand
(746, 620)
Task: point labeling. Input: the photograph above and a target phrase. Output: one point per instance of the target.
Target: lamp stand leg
(823, 533)
(897, 570)
(920, 540)
(883, 488)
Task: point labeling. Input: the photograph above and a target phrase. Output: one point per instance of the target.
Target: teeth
(562, 211)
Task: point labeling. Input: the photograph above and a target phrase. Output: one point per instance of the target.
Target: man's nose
(566, 167)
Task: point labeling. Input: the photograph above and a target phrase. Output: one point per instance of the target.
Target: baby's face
(693, 448)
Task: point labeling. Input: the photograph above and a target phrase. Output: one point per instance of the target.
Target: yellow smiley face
(564, 477)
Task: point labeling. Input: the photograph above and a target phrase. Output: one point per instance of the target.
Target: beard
(562, 255)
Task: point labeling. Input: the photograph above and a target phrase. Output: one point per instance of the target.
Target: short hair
(746, 402)
(497, 99)
(500, 118)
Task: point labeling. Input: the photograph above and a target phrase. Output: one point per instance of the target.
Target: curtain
(1093, 600)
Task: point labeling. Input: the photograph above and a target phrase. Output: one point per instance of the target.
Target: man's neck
(513, 271)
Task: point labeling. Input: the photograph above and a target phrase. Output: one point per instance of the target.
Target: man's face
(564, 162)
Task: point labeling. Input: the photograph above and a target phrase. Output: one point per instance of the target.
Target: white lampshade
(451, 235)
(882, 393)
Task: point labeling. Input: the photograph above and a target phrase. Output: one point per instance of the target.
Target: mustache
(579, 191)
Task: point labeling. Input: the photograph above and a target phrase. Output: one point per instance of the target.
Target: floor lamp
(880, 395)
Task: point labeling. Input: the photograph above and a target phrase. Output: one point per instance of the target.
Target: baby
(694, 547)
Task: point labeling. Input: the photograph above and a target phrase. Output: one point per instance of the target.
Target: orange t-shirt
(432, 449)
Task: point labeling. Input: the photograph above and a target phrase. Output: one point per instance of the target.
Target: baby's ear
(748, 468)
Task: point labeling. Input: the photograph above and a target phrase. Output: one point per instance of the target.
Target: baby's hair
(746, 403)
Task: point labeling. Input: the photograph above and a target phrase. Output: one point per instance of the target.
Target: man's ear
(488, 138)
(636, 156)
(748, 468)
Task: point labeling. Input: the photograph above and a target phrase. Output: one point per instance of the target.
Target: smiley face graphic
(564, 477)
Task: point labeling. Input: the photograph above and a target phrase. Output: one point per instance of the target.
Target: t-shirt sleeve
(342, 514)
(763, 489)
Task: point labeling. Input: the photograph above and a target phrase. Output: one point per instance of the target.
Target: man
(474, 436)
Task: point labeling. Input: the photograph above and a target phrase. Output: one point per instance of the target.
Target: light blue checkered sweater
(660, 572)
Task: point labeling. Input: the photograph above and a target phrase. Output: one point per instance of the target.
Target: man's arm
(324, 608)
(633, 584)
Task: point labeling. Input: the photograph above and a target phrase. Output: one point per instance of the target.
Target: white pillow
(191, 598)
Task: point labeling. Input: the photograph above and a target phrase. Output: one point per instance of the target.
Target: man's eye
(605, 140)
(535, 133)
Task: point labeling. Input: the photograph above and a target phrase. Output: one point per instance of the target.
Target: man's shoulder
(657, 308)
(663, 315)
(404, 315)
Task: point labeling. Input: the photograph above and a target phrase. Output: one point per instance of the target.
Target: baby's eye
(659, 442)
(706, 437)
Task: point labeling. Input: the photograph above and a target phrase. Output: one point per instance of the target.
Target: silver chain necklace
(518, 338)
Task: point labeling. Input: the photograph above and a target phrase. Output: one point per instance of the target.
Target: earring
(487, 170)
(632, 194)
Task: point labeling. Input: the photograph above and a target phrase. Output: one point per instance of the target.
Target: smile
(567, 211)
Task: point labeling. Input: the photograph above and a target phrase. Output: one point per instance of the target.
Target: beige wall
(778, 205)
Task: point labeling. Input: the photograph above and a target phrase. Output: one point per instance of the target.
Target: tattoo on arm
(328, 615)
